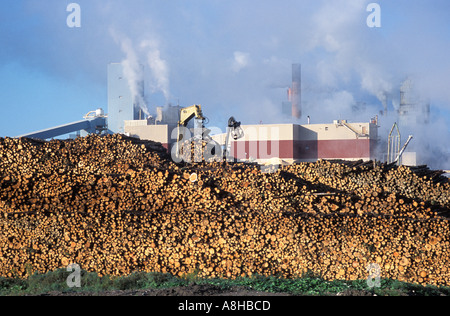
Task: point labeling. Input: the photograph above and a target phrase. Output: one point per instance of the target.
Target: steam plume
(133, 72)
(158, 67)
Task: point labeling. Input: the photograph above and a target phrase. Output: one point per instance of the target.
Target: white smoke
(133, 71)
(374, 81)
(230, 55)
(158, 67)
(133, 66)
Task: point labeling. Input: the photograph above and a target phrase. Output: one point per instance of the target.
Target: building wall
(264, 142)
(409, 159)
(156, 133)
(289, 142)
(267, 132)
(168, 115)
(307, 142)
(120, 101)
(162, 128)
(335, 141)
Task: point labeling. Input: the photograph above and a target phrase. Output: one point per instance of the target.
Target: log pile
(115, 205)
(198, 150)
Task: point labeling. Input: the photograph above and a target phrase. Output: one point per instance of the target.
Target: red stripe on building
(262, 149)
(352, 148)
(308, 149)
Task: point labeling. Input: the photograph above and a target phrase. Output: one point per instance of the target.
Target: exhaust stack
(293, 107)
(295, 92)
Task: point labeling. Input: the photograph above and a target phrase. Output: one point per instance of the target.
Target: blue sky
(232, 56)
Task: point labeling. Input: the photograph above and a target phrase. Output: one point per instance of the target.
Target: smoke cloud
(133, 71)
(234, 57)
(158, 68)
(134, 68)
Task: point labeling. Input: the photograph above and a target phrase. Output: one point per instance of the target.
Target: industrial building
(121, 106)
(413, 114)
(289, 142)
(296, 143)
(159, 128)
(413, 109)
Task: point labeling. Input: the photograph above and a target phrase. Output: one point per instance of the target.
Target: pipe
(403, 149)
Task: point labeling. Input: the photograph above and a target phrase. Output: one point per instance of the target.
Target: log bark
(116, 205)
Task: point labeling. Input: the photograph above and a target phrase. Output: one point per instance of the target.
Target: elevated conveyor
(91, 124)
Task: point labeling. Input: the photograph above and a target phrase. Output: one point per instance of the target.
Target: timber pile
(115, 205)
(412, 182)
(196, 150)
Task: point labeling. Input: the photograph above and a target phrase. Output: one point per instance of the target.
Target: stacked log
(411, 182)
(198, 150)
(116, 205)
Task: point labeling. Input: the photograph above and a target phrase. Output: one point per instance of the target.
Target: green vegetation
(309, 284)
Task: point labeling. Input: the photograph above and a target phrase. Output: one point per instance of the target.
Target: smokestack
(385, 105)
(296, 91)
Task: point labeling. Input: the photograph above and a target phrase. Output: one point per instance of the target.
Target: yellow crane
(186, 115)
(234, 131)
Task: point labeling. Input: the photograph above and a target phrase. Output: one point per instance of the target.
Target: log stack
(115, 205)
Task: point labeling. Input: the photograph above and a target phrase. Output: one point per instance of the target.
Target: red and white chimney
(295, 93)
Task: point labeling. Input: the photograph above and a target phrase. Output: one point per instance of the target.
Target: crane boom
(234, 130)
(403, 149)
(186, 115)
(189, 113)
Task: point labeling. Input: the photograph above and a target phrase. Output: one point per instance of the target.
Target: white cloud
(240, 61)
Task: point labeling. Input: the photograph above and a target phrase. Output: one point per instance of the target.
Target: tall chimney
(296, 91)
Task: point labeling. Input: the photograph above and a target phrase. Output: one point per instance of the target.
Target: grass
(309, 284)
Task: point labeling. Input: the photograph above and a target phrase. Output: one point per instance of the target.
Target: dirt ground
(194, 290)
